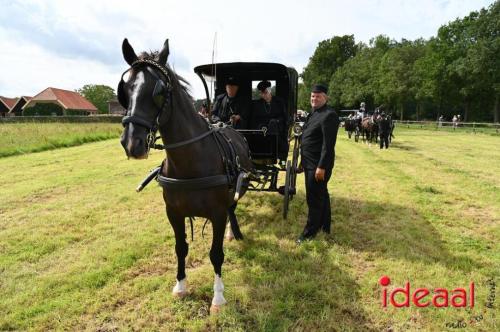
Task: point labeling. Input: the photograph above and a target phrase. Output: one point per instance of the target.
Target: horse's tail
(234, 223)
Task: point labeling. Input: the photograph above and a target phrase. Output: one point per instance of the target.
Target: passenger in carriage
(230, 107)
(270, 112)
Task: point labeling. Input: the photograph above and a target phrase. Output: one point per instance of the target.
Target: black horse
(202, 164)
(353, 126)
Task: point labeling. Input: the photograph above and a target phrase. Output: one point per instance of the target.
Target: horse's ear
(128, 52)
(163, 56)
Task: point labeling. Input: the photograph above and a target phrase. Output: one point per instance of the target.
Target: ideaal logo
(423, 297)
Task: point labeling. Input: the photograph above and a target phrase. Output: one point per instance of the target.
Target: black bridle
(162, 94)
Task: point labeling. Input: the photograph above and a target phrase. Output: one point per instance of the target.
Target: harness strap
(189, 141)
(228, 155)
(192, 184)
(192, 231)
(137, 120)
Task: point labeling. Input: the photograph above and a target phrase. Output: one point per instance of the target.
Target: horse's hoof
(229, 237)
(215, 309)
(180, 295)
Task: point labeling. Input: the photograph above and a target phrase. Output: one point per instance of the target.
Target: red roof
(9, 102)
(67, 99)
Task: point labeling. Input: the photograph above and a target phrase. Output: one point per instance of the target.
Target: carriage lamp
(297, 128)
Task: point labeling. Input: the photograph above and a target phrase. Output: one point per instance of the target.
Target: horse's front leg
(217, 258)
(181, 250)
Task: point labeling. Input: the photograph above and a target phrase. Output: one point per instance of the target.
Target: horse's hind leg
(181, 250)
(217, 258)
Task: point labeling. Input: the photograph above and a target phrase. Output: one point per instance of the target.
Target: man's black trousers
(318, 200)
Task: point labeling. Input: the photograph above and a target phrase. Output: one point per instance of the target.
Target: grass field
(19, 138)
(80, 250)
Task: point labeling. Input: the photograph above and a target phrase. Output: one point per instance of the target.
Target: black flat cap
(263, 85)
(319, 88)
(232, 80)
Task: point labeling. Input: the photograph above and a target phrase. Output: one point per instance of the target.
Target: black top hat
(317, 88)
(263, 85)
(231, 80)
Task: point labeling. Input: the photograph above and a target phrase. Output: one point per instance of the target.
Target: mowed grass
(80, 250)
(19, 138)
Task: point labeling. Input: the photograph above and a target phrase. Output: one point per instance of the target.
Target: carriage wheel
(287, 194)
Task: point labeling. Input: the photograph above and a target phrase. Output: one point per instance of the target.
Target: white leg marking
(180, 288)
(229, 232)
(218, 299)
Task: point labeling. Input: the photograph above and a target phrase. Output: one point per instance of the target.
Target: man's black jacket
(319, 137)
(226, 106)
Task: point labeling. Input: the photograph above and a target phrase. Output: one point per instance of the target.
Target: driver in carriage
(270, 112)
(362, 110)
(229, 107)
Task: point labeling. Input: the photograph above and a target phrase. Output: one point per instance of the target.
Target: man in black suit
(230, 107)
(317, 158)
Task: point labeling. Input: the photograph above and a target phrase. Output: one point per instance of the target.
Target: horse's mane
(177, 80)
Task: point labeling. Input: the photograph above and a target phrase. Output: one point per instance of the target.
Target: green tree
(357, 80)
(396, 82)
(330, 55)
(99, 95)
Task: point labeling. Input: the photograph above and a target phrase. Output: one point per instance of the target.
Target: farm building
(114, 107)
(6, 104)
(52, 101)
(17, 109)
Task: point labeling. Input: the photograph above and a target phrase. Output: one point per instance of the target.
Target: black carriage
(352, 125)
(269, 149)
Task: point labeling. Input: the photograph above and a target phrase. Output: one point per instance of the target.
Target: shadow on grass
(394, 231)
(290, 287)
(306, 288)
(401, 146)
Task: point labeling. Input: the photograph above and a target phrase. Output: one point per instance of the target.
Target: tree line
(455, 72)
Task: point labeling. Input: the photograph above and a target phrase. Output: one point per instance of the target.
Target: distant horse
(351, 127)
(202, 165)
(369, 129)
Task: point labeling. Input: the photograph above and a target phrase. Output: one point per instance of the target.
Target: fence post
(474, 127)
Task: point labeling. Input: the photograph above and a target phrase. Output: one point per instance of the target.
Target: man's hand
(299, 169)
(235, 118)
(320, 174)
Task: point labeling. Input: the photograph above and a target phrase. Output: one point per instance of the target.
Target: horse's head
(144, 91)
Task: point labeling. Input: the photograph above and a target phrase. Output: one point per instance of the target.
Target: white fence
(474, 127)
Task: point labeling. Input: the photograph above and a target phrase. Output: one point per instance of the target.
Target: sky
(67, 44)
